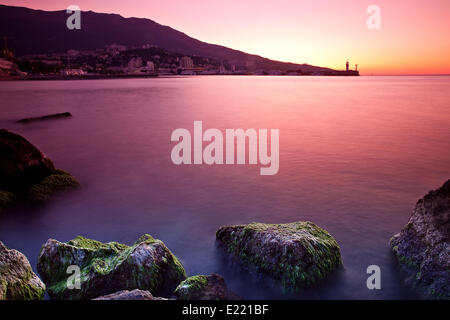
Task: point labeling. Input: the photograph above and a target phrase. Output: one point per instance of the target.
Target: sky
(414, 35)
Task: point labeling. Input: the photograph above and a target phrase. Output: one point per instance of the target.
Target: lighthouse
(346, 66)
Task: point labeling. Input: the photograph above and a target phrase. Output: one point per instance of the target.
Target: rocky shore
(148, 270)
(296, 255)
(423, 248)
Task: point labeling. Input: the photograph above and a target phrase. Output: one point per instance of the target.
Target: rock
(58, 181)
(17, 280)
(47, 117)
(26, 172)
(203, 287)
(21, 164)
(297, 253)
(422, 247)
(135, 294)
(6, 199)
(109, 267)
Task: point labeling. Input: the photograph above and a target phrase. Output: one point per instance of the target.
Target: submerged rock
(17, 279)
(109, 267)
(21, 164)
(135, 294)
(25, 172)
(203, 287)
(47, 117)
(58, 181)
(297, 253)
(422, 247)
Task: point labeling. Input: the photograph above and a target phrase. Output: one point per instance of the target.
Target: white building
(150, 67)
(186, 63)
(134, 64)
(73, 72)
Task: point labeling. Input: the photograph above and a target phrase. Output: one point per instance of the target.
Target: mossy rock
(58, 181)
(203, 287)
(298, 254)
(191, 288)
(106, 268)
(6, 199)
(135, 294)
(26, 172)
(21, 163)
(17, 280)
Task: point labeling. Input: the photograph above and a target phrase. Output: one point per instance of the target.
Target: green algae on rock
(203, 287)
(298, 253)
(17, 280)
(6, 199)
(21, 163)
(58, 181)
(27, 173)
(109, 267)
(422, 248)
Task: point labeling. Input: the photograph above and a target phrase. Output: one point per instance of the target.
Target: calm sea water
(355, 155)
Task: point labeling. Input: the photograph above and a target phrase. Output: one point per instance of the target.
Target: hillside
(31, 31)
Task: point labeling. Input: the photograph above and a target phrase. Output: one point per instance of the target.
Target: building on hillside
(115, 49)
(149, 67)
(135, 64)
(186, 63)
(73, 72)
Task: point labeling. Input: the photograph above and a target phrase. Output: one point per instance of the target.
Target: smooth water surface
(355, 155)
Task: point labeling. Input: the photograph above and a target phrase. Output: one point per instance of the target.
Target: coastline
(145, 76)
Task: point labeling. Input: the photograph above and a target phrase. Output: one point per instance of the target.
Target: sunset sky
(414, 37)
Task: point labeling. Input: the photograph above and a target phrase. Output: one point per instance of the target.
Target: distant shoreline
(99, 77)
(126, 76)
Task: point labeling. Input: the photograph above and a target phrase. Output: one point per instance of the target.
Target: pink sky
(414, 37)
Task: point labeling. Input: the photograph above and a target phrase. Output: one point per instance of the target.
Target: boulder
(109, 267)
(57, 181)
(26, 172)
(202, 287)
(21, 164)
(17, 279)
(422, 248)
(135, 294)
(298, 253)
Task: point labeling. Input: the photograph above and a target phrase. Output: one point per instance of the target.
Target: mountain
(31, 31)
